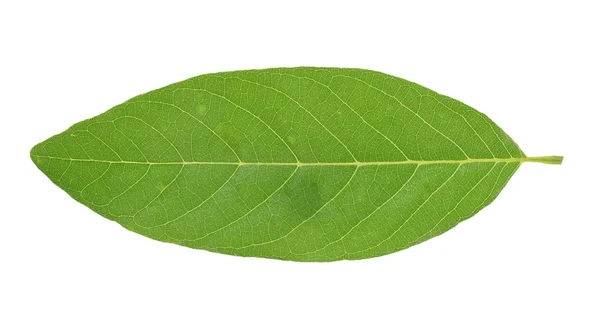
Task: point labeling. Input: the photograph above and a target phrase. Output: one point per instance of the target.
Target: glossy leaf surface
(306, 164)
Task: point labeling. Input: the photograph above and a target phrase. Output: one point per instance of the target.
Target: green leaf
(304, 164)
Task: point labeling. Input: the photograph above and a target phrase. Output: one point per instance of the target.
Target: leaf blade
(306, 164)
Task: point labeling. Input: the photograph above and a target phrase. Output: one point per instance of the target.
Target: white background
(528, 262)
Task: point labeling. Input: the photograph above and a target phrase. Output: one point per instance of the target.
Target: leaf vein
(197, 206)
(247, 111)
(302, 107)
(351, 109)
(411, 216)
(251, 210)
(192, 116)
(407, 108)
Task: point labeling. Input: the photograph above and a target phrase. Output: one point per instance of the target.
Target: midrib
(538, 159)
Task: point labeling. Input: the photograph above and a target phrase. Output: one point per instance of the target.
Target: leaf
(304, 164)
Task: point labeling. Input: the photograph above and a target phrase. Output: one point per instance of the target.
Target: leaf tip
(34, 155)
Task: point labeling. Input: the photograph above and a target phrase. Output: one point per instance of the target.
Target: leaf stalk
(545, 159)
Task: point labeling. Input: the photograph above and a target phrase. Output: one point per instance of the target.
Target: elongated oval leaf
(305, 164)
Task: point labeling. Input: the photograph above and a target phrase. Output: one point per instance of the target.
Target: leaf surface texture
(305, 164)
